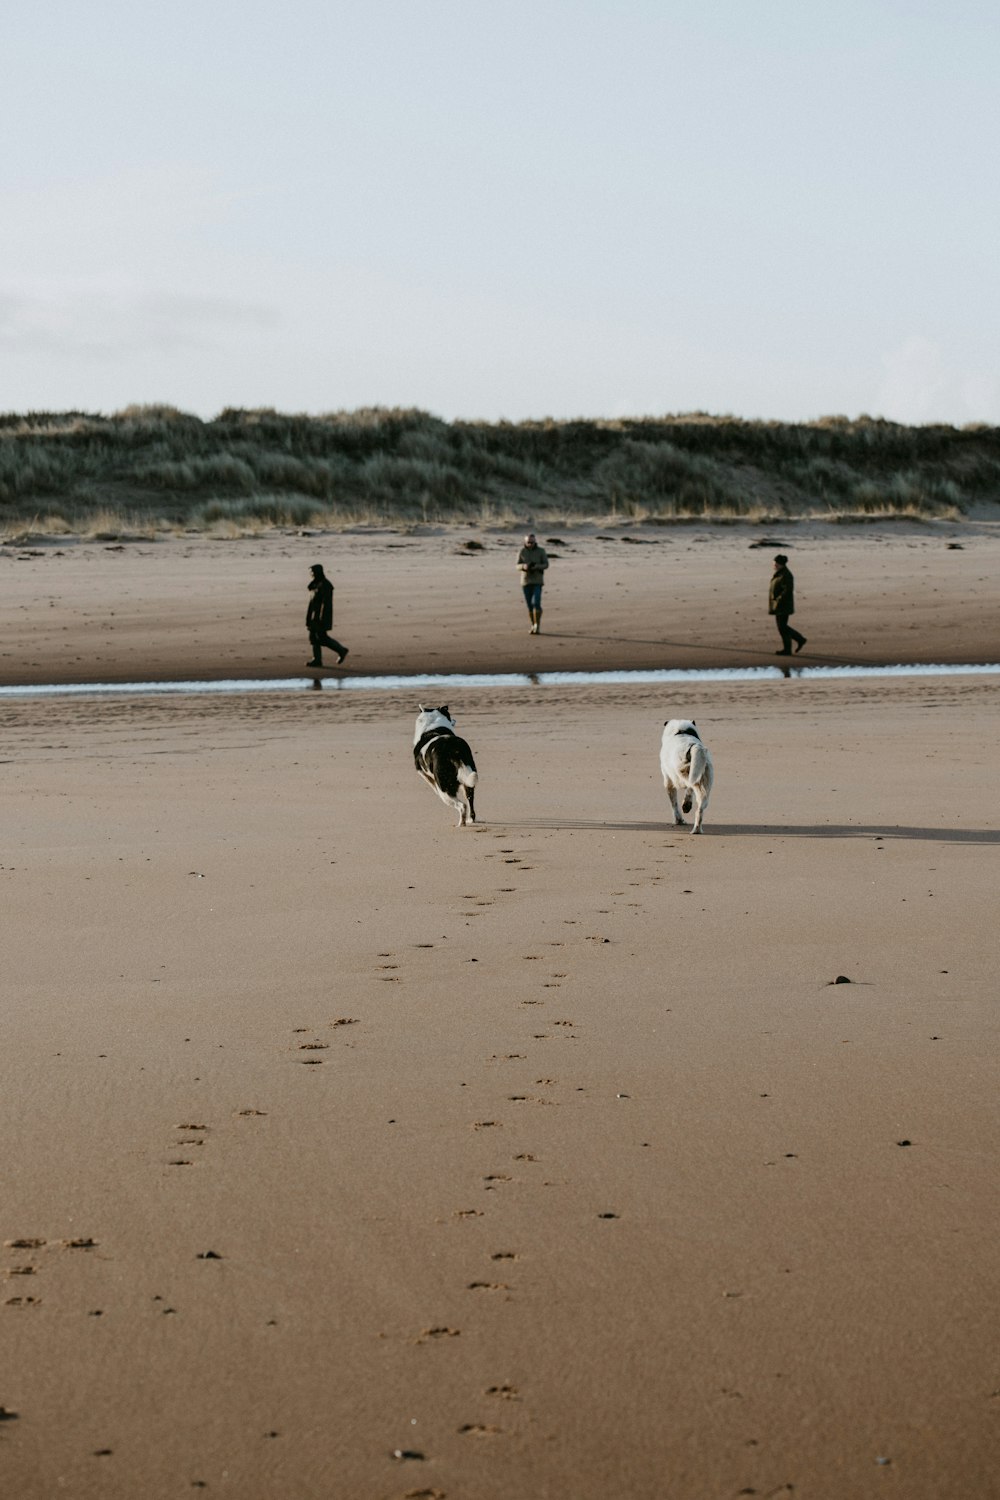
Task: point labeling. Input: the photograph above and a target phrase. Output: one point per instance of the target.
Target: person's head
(780, 561)
(529, 540)
(317, 571)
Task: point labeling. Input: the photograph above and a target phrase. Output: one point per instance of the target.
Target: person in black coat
(319, 618)
(781, 604)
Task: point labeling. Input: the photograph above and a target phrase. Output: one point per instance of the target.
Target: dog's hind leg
(470, 794)
(702, 792)
(672, 794)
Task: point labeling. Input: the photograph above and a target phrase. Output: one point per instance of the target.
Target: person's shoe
(343, 656)
(782, 653)
(314, 663)
(801, 643)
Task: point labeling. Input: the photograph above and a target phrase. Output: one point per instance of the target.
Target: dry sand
(544, 1152)
(644, 596)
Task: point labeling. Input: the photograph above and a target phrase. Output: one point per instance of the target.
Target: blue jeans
(532, 595)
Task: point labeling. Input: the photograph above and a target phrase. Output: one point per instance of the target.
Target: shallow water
(446, 681)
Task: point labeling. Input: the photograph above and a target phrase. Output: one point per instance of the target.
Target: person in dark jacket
(781, 604)
(319, 618)
(532, 562)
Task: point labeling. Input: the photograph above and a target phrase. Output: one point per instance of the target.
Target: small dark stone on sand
(843, 979)
(904, 1143)
(208, 1255)
(607, 1216)
(7, 1416)
(404, 1453)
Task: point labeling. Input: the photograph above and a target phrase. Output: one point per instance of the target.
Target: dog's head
(432, 718)
(680, 726)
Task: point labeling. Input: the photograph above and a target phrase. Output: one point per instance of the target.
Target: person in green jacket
(781, 604)
(532, 561)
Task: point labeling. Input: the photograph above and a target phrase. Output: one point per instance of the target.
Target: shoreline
(620, 677)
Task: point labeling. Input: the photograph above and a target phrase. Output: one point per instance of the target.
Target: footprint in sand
(439, 1331)
(505, 1392)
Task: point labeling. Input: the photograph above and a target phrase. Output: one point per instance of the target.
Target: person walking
(781, 604)
(532, 561)
(319, 618)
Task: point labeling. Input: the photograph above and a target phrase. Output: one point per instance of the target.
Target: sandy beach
(350, 1156)
(423, 601)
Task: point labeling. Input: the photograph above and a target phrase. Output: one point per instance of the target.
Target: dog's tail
(697, 760)
(468, 776)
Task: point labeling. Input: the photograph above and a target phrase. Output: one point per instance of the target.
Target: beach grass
(152, 468)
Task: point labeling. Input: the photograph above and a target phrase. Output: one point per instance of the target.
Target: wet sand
(348, 1154)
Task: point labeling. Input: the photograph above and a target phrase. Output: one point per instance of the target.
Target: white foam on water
(446, 681)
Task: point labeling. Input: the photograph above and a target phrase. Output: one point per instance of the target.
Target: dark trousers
(788, 635)
(318, 639)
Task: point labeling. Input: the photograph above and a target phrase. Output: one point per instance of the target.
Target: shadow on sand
(764, 654)
(886, 831)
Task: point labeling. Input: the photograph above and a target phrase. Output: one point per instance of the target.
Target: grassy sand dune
(154, 467)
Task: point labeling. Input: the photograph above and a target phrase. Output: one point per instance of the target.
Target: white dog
(686, 766)
(445, 760)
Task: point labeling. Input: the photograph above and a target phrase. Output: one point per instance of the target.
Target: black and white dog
(687, 767)
(444, 759)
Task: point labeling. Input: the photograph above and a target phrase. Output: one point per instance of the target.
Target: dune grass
(152, 468)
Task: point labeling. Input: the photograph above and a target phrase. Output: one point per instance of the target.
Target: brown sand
(687, 597)
(264, 1001)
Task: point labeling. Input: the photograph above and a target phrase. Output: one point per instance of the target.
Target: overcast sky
(775, 208)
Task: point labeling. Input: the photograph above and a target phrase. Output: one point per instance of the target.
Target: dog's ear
(444, 710)
(421, 709)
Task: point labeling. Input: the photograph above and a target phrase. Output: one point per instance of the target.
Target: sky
(777, 209)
